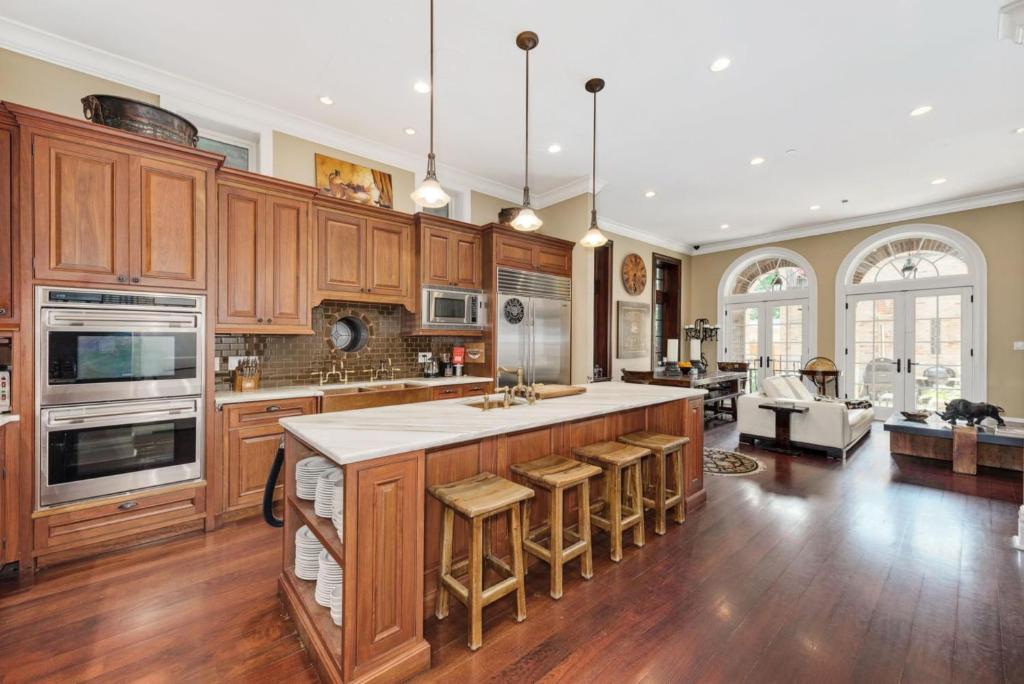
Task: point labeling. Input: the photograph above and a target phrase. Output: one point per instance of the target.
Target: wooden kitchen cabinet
(363, 255)
(108, 215)
(449, 257)
(532, 253)
(251, 436)
(7, 261)
(264, 255)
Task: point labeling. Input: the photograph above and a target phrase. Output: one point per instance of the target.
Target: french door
(909, 351)
(769, 336)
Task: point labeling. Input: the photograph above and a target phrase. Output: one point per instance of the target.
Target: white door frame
(976, 278)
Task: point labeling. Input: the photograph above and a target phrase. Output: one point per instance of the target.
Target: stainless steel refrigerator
(534, 320)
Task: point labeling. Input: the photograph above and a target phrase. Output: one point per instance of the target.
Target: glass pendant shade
(430, 194)
(594, 237)
(526, 221)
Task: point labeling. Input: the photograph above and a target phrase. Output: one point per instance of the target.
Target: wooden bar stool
(476, 499)
(556, 474)
(664, 449)
(618, 460)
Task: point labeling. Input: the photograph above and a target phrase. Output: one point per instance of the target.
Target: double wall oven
(120, 391)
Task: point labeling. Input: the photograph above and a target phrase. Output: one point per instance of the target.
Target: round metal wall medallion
(514, 311)
(349, 334)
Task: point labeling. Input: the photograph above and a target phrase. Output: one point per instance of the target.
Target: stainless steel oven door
(103, 449)
(90, 355)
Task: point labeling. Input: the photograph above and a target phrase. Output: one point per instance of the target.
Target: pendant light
(526, 220)
(430, 193)
(594, 237)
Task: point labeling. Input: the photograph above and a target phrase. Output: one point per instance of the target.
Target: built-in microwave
(98, 346)
(452, 308)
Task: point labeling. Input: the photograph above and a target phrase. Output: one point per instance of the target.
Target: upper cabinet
(532, 252)
(264, 240)
(450, 255)
(105, 214)
(7, 261)
(363, 255)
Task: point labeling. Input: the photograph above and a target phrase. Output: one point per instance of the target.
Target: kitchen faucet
(519, 387)
(324, 378)
(382, 370)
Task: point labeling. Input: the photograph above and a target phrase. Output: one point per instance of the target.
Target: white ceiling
(834, 81)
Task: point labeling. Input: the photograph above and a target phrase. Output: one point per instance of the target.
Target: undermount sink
(340, 390)
(388, 386)
(497, 402)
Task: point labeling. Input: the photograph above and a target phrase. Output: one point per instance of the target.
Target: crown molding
(574, 188)
(629, 231)
(192, 98)
(766, 236)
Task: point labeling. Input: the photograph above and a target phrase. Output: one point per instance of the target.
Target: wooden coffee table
(964, 447)
(783, 414)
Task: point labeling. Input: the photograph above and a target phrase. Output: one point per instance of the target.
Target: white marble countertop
(6, 418)
(297, 391)
(351, 436)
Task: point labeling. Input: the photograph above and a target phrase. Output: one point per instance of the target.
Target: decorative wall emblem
(514, 311)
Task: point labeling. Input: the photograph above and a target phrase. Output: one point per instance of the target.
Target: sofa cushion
(798, 389)
(776, 387)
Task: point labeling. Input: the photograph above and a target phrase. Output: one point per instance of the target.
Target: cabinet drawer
(452, 392)
(121, 517)
(266, 412)
(476, 390)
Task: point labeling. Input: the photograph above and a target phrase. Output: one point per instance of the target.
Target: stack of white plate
(336, 605)
(307, 554)
(325, 490)
(307, 473)
(327, 578)
(338, 508)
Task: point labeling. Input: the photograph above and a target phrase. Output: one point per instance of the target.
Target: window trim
(977, 278)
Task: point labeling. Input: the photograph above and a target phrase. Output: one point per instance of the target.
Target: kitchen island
(390, 456)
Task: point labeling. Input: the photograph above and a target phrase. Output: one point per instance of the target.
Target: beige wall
(484, 208)
(35, 83)
(293, 160)
(569, 220)
(999, 232)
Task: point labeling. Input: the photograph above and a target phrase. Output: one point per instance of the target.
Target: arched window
(767, 301)
(910, 323)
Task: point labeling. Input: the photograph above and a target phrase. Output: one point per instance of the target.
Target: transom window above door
(771, 274)
(910, 258)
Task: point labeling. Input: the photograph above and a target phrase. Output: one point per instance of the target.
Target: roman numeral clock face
(634, 274)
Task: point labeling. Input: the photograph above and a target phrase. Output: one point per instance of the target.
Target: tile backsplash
(292, 359)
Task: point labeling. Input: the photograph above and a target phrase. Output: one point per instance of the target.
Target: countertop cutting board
(553, 391)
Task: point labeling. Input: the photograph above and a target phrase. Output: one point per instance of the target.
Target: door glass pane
(744, 338)
(874, 352)
(787, 337)
(938, 350)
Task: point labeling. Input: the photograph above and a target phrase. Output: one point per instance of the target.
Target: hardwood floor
(887, 570)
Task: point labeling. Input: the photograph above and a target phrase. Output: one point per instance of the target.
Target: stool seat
(481, 494)
(655, 441)
(556, 471)
(612, 453)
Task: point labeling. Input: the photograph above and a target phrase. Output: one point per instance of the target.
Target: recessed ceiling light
(720, 64)
(421, 87)
(649, 194)
(815, 207)
(326, 99)
(724, 226)
(554, 148)
(1020, 131)
(757, 161)
(921, 111)
(791, 150)
(938, 181)
(410, 131)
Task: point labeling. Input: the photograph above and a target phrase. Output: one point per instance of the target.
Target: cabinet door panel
(388, 258)
(251, 452)
(436, 258)
(6, 261)
(80, 210)
(241, 252)
(341, 251)
(466, 263)
(514, 253)
(552, 260)
(287, 284)
(169, 224)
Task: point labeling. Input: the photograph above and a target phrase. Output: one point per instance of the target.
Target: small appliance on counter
(5, 375)
(458, 360)
(429, 365)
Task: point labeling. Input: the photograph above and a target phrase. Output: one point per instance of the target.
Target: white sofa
(829, 426)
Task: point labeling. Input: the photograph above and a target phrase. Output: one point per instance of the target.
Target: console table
(783, 413)
(722, 386)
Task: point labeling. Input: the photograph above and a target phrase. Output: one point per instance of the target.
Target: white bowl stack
(307, 475)
(326, 489)
(307, 554)
(327, 579)
(336, 605)
(338, 508)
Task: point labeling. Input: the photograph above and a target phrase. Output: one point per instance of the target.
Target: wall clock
(634, 274)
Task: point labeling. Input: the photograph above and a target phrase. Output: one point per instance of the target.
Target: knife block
(244, 383)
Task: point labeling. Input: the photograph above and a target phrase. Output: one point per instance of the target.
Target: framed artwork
(353, 182)
(633, 327)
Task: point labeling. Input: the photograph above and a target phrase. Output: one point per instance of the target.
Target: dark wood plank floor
(882, 571)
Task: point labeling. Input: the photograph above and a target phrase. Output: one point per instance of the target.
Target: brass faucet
(382, 371)
(519, 387)
(324, 378)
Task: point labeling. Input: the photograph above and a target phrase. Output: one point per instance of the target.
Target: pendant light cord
(593, 168)
(431, 172)
(526, 151)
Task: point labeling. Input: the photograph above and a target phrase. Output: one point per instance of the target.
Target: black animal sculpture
(972, 412)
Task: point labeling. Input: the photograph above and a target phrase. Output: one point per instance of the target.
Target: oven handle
(120, 415)
(106, 320)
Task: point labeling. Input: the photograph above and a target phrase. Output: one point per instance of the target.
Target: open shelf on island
(323, 528)
(316, 620)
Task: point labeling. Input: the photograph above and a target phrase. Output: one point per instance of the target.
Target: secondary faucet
(324, 378)
(519, 387)
(382, 370)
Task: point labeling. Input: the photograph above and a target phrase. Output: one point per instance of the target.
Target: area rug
(722, 462)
